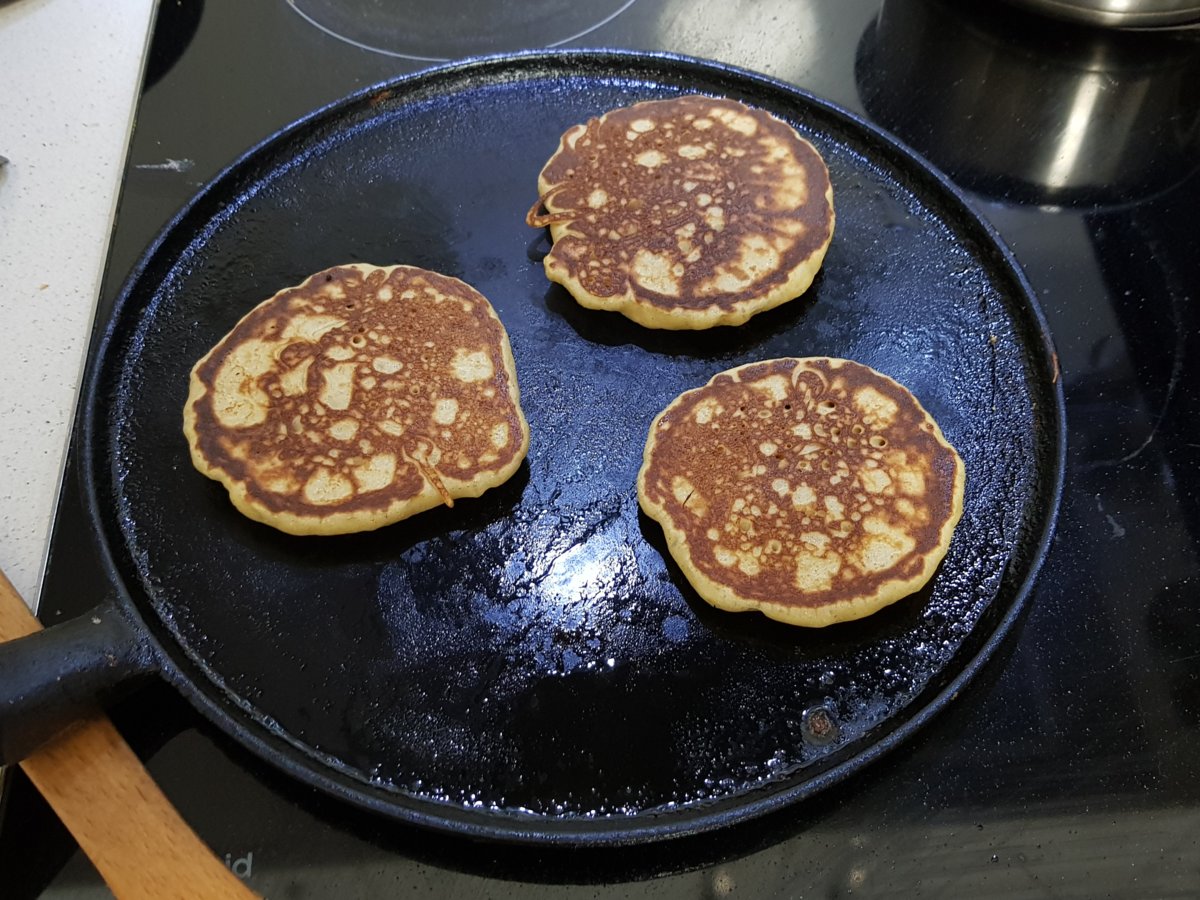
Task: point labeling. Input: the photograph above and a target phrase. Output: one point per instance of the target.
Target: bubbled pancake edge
(723, 597)
(681, 318)
(336, 523)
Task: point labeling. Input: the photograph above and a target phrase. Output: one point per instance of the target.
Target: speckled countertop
(70, 70)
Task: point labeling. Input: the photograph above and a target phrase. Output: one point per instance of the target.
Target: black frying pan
(530, 666)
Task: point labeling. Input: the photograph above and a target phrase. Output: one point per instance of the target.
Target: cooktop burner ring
(412, 30)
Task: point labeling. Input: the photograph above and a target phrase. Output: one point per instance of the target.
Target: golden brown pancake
(814, 490)
(685, 213)
(356, 399)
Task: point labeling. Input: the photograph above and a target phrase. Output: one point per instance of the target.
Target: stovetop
(1069, 767)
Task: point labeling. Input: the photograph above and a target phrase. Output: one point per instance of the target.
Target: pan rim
(510, 826)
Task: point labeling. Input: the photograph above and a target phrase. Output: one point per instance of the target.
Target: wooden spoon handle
(109, 802)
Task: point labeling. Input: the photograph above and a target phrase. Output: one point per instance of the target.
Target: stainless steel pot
(1028, 111)
(1120, 13)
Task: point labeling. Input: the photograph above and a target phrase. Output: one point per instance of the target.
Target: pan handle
(51, 678)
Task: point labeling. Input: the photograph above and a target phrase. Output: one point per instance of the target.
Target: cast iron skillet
(530, 666)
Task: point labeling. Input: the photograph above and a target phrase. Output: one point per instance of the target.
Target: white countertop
(69, 71)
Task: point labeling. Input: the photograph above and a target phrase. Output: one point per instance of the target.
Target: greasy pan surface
(529, 665)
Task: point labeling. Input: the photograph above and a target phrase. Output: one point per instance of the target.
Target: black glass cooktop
(1069, 766)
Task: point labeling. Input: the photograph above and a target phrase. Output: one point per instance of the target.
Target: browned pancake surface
(360, 397)
(816, 490)
(685, 213)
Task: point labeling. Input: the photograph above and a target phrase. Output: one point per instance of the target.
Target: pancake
(685, 213)
(814, 490)
(356, 399)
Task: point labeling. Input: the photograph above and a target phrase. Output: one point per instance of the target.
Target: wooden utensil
(124, 824)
